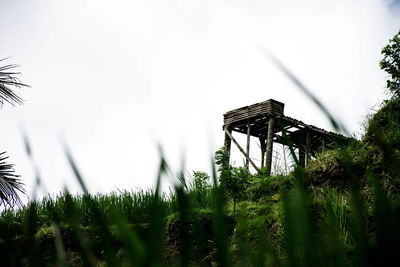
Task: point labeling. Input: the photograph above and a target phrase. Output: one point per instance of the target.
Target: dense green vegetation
(343, 209)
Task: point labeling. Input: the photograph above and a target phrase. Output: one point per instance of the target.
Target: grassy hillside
(342, 210)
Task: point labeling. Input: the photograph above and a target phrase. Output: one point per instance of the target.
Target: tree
(391, 64)
(224, 168)
(233, 180)
(201, 179)
(10, 183)
(238, 183)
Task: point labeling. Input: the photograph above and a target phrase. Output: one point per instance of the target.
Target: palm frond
(8, 82)
(10, 184)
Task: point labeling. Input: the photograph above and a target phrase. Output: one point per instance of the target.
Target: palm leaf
(10, 184)
(8, 82)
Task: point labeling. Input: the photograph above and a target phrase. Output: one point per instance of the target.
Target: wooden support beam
(262, 146)
(248, 145)
(308, 147)
(241, 149)
(227, 141)
(302, 157)
(270, 135)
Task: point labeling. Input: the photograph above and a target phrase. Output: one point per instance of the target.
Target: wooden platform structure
(266, 121)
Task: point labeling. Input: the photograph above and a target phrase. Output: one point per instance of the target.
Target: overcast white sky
(115, 78)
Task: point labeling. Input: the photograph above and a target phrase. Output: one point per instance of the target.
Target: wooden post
(248, 145)
(262, 146)
(308, 147)
(302, 156)
(227, 141)
(270, 135)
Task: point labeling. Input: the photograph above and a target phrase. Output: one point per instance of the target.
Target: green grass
(282, 221)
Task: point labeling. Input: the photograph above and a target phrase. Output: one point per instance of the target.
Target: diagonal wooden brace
(241, 150)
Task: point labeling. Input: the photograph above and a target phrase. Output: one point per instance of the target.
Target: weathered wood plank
(270, 107)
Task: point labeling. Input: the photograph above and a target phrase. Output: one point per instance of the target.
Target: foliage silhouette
(391, 64)
(10, 183)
